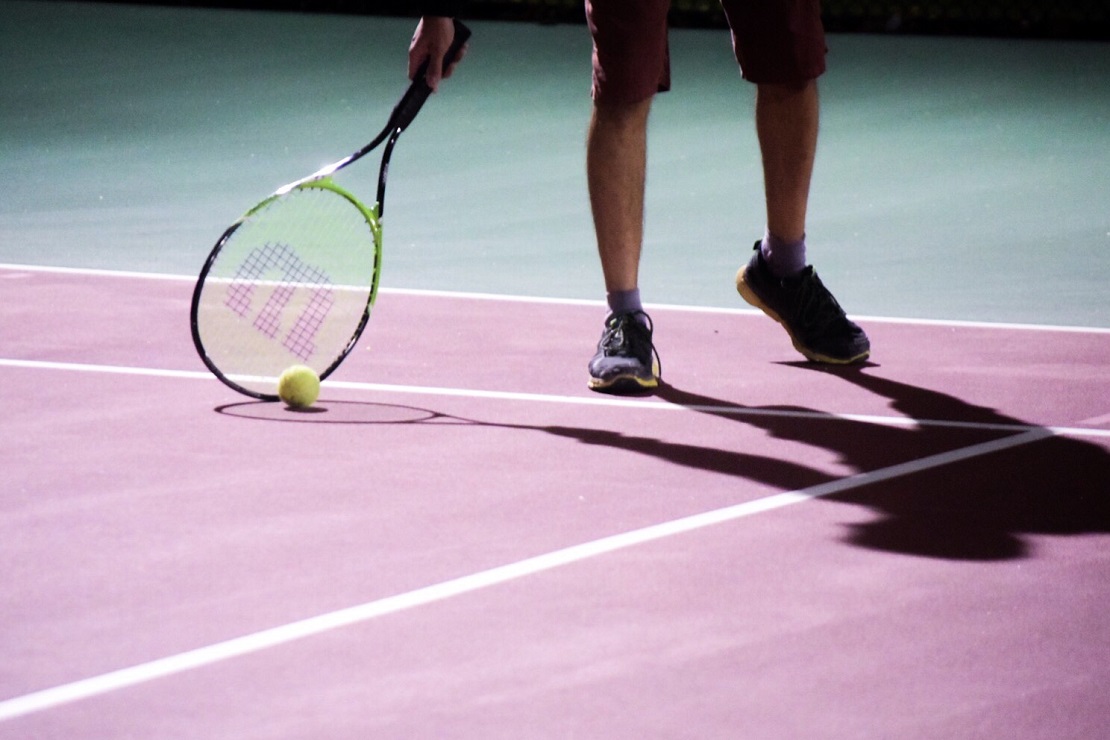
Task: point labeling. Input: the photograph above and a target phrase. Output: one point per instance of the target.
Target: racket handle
(419, 91)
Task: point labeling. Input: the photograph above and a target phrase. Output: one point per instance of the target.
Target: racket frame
(373, 221)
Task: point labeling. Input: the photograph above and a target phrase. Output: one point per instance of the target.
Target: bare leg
(786, 123)
(616, 160)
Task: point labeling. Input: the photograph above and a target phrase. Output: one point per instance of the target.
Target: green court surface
(956, 178)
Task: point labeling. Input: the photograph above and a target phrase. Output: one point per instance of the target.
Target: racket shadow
(783, 473)
(327, 412)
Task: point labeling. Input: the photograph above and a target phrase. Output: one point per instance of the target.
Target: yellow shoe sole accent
(622, 384)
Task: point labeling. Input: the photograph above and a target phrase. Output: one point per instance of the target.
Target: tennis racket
(293, 281)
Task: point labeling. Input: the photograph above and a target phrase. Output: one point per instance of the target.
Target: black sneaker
(626, 360)
(807, 310)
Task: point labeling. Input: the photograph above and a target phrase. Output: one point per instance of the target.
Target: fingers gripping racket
(292, 282)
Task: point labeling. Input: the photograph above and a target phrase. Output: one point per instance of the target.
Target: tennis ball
(299, 387)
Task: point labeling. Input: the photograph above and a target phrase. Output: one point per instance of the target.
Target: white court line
(1098, 420)
(274, 637)
(574, 301)
(593, 400)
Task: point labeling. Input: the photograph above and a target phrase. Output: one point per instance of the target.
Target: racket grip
(419, 91)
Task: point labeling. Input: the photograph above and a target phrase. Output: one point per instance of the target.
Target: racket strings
(292, 284)
(300, 340)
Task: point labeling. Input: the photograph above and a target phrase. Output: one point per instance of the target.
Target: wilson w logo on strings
(277, 264)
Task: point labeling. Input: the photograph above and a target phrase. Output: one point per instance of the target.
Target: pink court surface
(460, 540)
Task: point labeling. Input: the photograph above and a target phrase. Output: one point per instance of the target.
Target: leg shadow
(979, 508)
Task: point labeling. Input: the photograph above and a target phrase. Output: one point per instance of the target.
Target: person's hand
(432, 39)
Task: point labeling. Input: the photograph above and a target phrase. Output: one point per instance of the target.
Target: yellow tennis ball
(299, 387)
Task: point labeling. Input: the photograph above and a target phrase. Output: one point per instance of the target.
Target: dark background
(1076, 19)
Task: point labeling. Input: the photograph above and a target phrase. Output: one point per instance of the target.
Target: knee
(622, 115)
(783, 91)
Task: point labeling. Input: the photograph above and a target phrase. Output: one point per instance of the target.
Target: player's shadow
(976, 508)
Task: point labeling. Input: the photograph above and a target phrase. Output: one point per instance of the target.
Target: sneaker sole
(623, 385)
(626, 384)
(749, 295)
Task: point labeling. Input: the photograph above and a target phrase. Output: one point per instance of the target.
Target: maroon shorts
(775, 41)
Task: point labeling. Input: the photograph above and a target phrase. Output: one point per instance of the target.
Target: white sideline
(276, 636)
